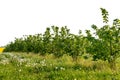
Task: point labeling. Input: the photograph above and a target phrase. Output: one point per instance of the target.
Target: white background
(23, 17)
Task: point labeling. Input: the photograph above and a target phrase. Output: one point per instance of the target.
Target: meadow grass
(22, 66)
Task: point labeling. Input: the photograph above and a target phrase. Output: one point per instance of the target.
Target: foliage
(103, 44)
(106, 44)
(57, 41)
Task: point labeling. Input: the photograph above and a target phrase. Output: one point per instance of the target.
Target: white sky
(22, 17)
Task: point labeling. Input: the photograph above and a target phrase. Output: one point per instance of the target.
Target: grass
(21, 66)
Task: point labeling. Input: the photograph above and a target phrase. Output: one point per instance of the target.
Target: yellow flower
(1, 49)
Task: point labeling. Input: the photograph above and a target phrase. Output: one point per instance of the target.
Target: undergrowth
(21, 66)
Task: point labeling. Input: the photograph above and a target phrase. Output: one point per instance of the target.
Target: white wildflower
(62, 68)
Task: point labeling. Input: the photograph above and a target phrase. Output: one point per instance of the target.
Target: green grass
(21, 66)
